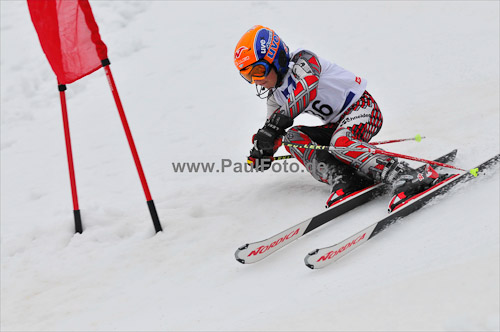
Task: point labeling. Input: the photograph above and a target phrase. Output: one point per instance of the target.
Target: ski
(320, 258)
(256, 251)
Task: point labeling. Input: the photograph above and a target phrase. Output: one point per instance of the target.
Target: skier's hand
(267, 140)
(267, 137)
(264, 141)
(261, 156)
(258, 161)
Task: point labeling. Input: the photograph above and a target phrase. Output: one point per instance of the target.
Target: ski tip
(243, 247)
(242, 261)
(474, 171)
(314, 252)
(306, 259)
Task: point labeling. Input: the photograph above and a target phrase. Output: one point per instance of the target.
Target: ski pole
(288, 156)
(403, 156)
(417, 138)
(383, 152)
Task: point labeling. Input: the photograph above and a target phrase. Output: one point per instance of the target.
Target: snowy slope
(432, 67)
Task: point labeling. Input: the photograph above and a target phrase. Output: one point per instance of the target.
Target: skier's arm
(306, 71)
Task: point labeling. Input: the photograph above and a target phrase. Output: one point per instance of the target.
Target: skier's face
(268, 81)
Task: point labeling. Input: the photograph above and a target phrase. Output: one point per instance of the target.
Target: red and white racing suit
(338, 97)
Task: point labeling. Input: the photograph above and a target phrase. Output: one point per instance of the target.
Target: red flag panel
(69, 37)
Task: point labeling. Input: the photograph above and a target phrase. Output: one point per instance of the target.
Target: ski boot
(409, 183)
(345, 185)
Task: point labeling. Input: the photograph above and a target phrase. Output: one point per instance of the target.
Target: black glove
(274, 129)
(258, 161)
(268, 140)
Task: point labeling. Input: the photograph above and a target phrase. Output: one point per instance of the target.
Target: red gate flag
(69, 37)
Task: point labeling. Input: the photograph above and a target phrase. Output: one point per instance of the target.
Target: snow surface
(433, 67)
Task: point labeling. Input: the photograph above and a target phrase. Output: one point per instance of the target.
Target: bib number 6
(322, 110)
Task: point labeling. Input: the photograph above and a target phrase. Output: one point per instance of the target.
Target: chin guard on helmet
(262, 92)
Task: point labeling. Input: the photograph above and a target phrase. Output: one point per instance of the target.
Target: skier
(302, 82)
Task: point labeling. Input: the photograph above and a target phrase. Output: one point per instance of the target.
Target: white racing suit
(350, 114)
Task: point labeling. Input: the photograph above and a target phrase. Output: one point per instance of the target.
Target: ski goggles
(258, 70)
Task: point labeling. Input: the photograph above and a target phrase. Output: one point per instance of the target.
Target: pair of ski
(319, 258)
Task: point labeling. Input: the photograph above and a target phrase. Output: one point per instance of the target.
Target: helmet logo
(271, 53)
(237, 54)
(262, 46)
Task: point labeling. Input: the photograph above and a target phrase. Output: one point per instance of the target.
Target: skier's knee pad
(293, 135)
(341, 138)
